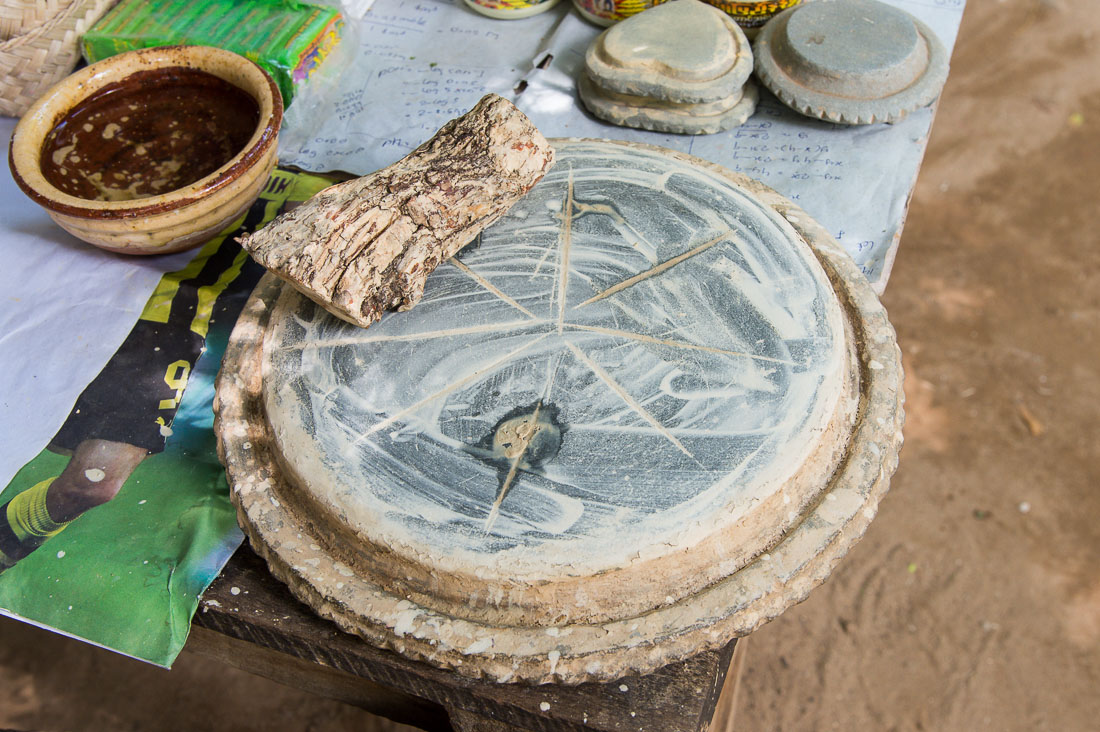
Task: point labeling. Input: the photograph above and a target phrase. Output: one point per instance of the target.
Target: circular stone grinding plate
(618, 396)
(636, 418)
(850, 61)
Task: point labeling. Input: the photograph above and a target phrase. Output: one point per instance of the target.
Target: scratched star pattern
(656, 310)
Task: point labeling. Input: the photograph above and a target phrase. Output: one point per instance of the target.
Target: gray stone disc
(850, 61)
(651, 114)
(679, 389)
(681, 51)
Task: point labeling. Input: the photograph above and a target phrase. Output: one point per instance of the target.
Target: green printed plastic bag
(288, 39)
(127, 573)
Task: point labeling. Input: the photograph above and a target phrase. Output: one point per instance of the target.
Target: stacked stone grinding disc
(570, 462)
(679, 67)
(850, 61)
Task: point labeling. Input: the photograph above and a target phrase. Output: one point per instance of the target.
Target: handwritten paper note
(419, 64)
(423, 62)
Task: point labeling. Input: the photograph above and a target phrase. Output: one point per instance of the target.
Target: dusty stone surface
(651, 114)
(367, 245)
(467, 479)
(304, 552)
(850, 61)
(683, 51)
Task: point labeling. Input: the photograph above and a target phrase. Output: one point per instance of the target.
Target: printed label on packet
(752, 14)
(606, 12)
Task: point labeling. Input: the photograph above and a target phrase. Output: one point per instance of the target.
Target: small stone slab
(683, 51)
(851, 61)
(662, 116)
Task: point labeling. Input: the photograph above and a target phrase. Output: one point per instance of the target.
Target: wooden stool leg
(464, 721)
(317, 679)
(726, 709)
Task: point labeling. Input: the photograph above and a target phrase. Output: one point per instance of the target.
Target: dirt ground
(974, 600)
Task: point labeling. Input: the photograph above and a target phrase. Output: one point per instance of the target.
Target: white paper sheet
(66, 307)
(423, 62)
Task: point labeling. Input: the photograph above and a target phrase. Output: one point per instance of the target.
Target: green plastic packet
(289, 39)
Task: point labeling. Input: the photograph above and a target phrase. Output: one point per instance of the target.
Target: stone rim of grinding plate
(686, 119)
(645, 56)
(338, 584)
(851, 61)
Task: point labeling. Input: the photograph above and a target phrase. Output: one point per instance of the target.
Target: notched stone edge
(732, 607)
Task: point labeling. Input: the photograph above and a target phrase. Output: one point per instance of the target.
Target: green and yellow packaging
(288, 39)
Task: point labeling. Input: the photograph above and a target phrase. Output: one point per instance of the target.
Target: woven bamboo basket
(40, 45)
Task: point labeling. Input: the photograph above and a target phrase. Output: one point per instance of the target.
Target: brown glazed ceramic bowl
(151, 151)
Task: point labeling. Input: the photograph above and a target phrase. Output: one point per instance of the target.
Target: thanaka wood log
(367, 245)
(366, 468)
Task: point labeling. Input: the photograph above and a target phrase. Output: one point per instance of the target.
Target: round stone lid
(682, 51)
(851, 61)
(629, 397)
(704, 118)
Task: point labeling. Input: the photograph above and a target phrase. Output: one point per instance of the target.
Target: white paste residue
(94, 475)
(681, 353)
(479, 646)
(406, 618)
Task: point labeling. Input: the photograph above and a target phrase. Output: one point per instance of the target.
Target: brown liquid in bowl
(154, 132)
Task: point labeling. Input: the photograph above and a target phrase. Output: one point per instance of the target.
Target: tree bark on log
(367, 245)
